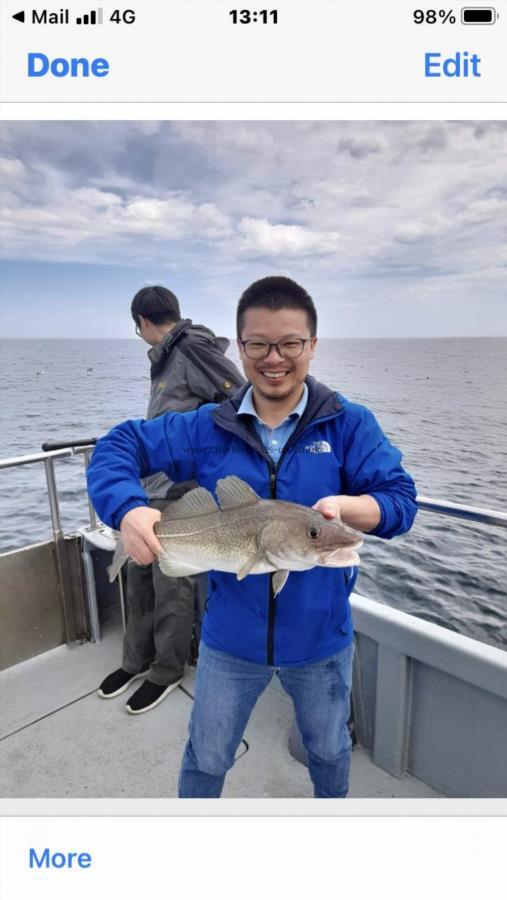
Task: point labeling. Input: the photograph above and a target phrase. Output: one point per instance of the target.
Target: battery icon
(478, 15)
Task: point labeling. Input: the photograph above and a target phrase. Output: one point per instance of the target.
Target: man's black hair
(276, 292)
(156, 303)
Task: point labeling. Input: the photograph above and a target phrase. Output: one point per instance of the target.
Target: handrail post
(91, 510)
(59, 540)
(53, 499)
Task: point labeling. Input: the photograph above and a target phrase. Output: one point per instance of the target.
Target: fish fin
(176, 569)
(232, 492)
(278, 580)
(120, 557)
(247, 567)
(197, 502)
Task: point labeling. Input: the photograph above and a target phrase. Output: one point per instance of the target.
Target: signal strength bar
(93, 18)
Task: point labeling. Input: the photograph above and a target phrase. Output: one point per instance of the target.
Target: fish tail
(119, 559)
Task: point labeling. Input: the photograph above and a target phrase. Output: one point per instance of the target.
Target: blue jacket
(337, 448)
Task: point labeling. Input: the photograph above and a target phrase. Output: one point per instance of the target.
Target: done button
(76, 67)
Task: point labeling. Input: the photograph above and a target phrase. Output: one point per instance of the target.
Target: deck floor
(60, 739)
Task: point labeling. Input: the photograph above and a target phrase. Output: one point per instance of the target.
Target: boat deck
(60, 739)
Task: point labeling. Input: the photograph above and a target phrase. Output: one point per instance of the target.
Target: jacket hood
(184, 328)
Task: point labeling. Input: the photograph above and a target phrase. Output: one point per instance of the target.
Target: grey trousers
(160, 616)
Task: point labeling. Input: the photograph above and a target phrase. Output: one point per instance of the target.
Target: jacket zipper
(273, 471)
(270, 649)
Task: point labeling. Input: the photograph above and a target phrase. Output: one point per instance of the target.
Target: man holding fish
(283, 436)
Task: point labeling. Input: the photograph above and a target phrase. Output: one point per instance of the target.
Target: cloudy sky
(396, 229)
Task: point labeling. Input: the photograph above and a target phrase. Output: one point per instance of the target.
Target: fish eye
(313, 531)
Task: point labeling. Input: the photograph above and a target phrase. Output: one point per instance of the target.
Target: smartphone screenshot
(253, 343)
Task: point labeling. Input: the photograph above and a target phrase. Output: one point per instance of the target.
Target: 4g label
(126, 16)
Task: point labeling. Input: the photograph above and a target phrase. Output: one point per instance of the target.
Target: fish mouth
(342, 557)
(339, 558)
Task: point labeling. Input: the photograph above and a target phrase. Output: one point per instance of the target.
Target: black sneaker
(118, 682)
(148, 696)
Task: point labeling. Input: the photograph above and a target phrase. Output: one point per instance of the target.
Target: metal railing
(441, 507)
(48, 457)
(53, 451)
(460, 511)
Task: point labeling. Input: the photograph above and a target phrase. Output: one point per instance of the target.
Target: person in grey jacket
(188, 368)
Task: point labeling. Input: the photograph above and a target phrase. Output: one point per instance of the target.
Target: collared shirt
(273, 439)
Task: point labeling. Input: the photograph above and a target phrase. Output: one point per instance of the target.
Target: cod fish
(246, 535)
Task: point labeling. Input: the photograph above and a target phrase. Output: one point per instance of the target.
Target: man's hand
(361, 512)
(330, 507)
(138, 536)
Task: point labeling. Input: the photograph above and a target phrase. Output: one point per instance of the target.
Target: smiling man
(292, 438)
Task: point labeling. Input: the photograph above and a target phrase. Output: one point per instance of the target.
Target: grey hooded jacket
(188, 368)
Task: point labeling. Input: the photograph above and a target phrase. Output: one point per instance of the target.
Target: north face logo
(318, 447)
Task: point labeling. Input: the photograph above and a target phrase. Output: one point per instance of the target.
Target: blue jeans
(227, 689)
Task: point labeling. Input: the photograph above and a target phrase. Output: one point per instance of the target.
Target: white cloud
(340, 200)
(432, 226)
(89, 196)
(11, 168)
(85, 217)
(260, 237)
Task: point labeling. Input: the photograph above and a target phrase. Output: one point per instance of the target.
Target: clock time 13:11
(253, 16)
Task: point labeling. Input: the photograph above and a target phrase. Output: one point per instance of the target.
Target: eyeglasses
(290, 348)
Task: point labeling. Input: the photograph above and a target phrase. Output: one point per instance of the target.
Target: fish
(246, 535)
